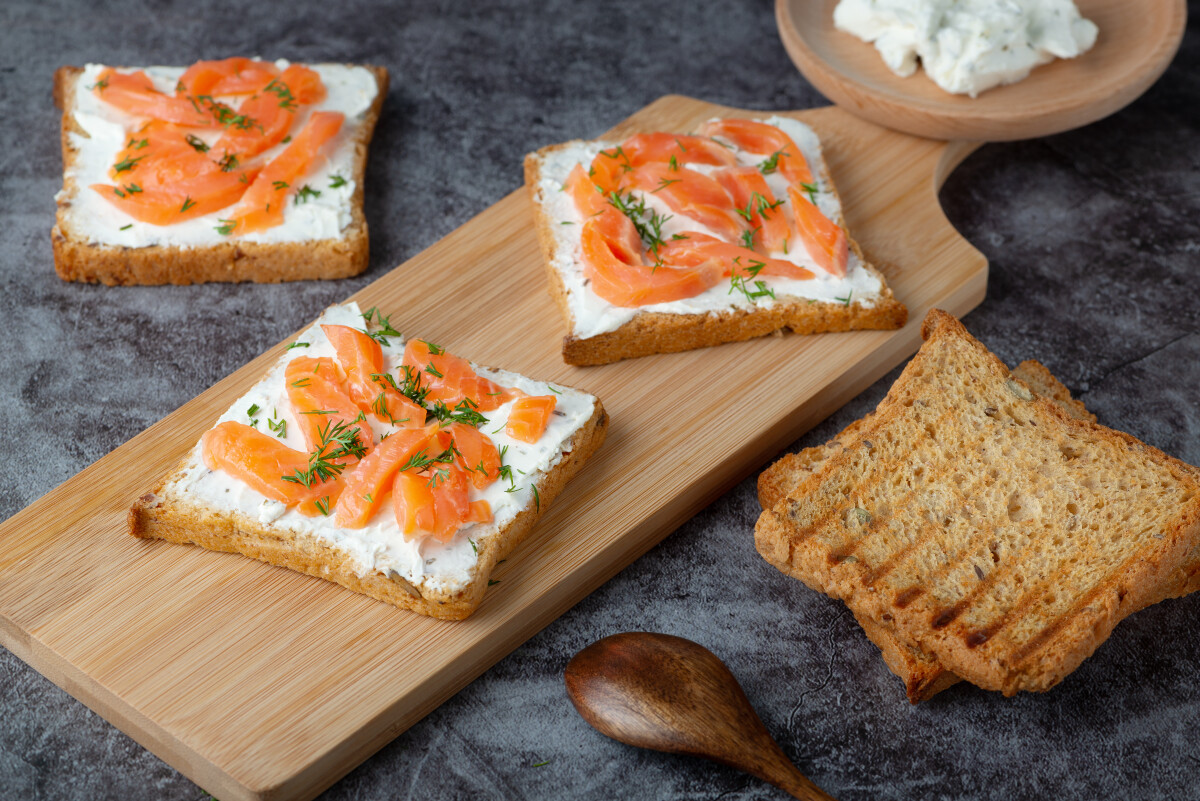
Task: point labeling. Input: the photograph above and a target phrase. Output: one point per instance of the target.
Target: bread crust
(159, 515)
(656, 332)
(1159, 567)
(233, 261)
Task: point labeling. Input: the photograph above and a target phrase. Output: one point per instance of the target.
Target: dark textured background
(1093, 239)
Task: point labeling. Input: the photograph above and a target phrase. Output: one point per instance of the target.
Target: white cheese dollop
(968, 46)
(91, 218)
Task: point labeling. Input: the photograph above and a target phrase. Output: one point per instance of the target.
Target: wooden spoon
(670, 694)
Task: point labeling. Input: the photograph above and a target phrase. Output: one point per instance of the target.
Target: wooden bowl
(1136, 43)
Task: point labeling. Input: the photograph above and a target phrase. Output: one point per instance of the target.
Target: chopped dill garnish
(127, 164)
(197, 143)
(277, 424)
(306, 193)
(739, 281)
(771, 163)
(336, 440)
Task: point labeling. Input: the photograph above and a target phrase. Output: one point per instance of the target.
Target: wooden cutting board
(258, 682)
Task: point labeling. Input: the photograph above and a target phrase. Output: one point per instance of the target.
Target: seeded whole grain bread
(986, 527)
(657, 332)
(175, 517)
(76, 259)
(923, 677)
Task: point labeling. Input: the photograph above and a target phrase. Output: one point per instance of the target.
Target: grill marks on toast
(1008, 552)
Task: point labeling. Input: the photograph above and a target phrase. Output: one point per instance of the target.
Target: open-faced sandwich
(233, 170)
(391, 467)
(668, 242)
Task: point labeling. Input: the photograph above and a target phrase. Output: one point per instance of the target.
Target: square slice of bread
(984, 526)
(215, 510)
(600, 332)
(100, 244)
(921, 673)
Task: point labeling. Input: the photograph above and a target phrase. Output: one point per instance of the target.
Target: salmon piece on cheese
(262, 205)
(268, 466)
(529, 417)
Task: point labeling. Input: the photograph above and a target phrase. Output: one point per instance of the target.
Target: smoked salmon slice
(663, 147)
(434, 502)
(450, 380)
(529, 417)
(262, 205)
(412, 503)
(263, 462)
(319, 399)
(134, 93)
(824, 240)
(761, 137)
(272, 110)
(614, 259)
(475, 453)
(230, 76)
(630, 285)
(754, 202)
(693, 195)
(161, 177)
(361, 358)
(588, 198)
(698, 249)
(369, 481)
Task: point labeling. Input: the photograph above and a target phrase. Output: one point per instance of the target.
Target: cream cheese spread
(591, 315)
(968, 46)
(379, 545)
(91, 218)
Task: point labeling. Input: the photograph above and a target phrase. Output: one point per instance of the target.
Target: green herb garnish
(197, 143)
(306, 193)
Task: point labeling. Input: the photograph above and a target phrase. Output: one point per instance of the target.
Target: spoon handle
(779, 771)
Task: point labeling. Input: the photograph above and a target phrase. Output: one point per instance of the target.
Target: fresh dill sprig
(197, 143)
(384, 324)
(739, 281)
(771, 163)
(647, 221)
(277, 424)
(306, 193)
(336, 440)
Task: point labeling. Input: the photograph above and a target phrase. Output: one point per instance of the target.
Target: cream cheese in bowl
(968, 46)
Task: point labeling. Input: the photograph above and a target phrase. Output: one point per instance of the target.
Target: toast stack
(980, 525)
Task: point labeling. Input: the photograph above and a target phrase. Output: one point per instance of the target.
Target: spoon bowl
(669, 694)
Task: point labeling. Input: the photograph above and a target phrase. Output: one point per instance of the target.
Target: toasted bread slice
(599, 333)
(208, 507)
(784, 475)
(923, 677)
(112, 254)
(986, 527)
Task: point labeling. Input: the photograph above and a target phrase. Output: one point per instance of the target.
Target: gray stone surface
(1093, 239)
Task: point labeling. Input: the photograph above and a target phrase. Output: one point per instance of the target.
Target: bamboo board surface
(258, 682)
